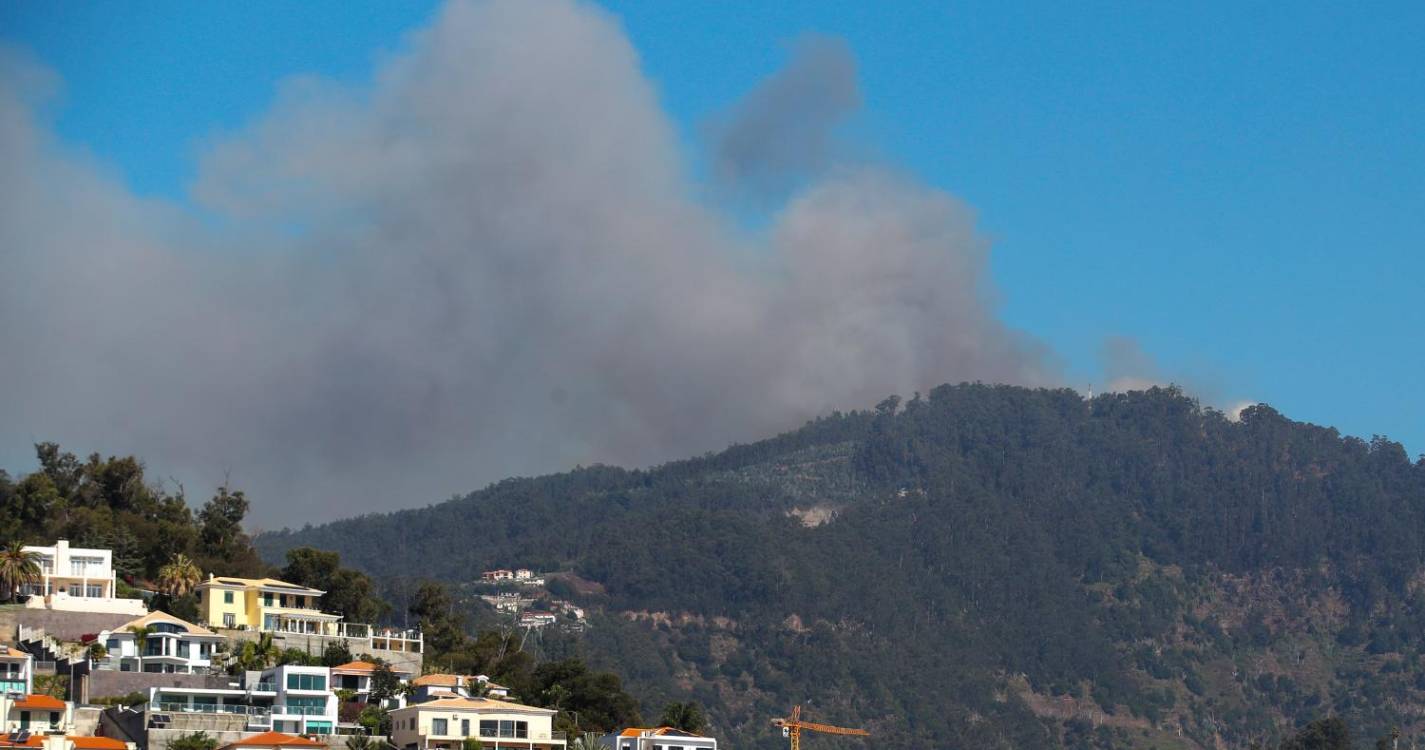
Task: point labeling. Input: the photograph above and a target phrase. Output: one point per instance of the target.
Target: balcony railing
(209, 708)
(299, 710)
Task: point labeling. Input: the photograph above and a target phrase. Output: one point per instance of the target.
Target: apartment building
(290, 698)
(17, 671)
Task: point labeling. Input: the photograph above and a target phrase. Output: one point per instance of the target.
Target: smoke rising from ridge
(490, 261)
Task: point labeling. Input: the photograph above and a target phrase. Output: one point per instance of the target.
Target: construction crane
(793, 726)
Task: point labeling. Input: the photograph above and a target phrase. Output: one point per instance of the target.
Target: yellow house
(265, 604)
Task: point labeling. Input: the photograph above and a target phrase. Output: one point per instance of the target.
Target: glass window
(229, 620)
(521, 729)
(489, 728)
(439, 727)
(227, 597)
(306, 682)
(464, 727)
(94, 591)
(267, 598)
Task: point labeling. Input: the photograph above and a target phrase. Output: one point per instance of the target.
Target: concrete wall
(64, 626)
(104, 683)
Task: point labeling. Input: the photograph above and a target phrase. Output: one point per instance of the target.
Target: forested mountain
(986, 567)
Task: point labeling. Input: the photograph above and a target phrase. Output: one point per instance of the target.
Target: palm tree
(17, 568)
(259, 654)
(586, 741)
(141, 634)
(179, 576)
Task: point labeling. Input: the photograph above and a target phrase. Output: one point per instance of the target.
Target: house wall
(541, 725)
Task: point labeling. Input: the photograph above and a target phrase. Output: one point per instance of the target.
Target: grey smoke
(490, 261)
(782, 131)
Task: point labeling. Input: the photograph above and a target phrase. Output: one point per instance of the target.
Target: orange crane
(793, 726)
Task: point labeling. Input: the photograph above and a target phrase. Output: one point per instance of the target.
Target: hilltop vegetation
(987, 566)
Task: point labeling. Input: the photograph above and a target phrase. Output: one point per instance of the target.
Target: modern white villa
(77, 579)
(658, 738)
(159, 642)
(292, 699)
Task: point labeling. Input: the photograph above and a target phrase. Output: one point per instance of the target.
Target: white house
(658, 738)
(77, 579)
(446, 723)
(39, 714)
(293, 699)
(17, 671)
(172, 645)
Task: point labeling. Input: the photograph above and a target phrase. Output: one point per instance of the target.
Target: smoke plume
(491, 260)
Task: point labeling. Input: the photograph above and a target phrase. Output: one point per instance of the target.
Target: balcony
(207, 708)
(286, 710)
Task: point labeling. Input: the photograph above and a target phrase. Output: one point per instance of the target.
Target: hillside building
(77, 579)
(171, 645)
(446, 723)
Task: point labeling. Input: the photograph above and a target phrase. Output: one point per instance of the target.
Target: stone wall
(63, 626)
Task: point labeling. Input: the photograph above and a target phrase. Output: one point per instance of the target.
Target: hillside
(989, 566)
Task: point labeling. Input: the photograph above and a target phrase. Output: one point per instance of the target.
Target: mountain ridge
(984, 555)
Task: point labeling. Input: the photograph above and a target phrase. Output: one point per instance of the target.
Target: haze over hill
(989, 566)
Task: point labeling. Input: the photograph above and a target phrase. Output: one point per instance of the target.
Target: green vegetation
(111, 503)
(982, 567)
(193, 741)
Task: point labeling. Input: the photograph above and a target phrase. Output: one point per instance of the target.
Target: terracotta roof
(442, 680)
(275, 739)
(364, 667)
(80, 743)
(656, 732)
(41, 702)
(12, 652)
(486, 704)
(160, 616)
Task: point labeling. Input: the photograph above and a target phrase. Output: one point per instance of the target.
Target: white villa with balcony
(290, 698)
(17, 671)
(77, 579)
(446, 723)
(172, 645)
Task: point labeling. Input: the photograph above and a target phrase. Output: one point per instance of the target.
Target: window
(306, 682)
(439, 727)
(464, 727)
(94, 591)
(489, 728)
(227, 597)
(319, 727)
(184, 649)
(267, 598)
(229, 620)
(86, 566)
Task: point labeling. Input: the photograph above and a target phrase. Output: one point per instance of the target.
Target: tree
(221, 521)
(18, 568)
(193, 741)
(688, 717)
(441, 626)
(336, 654)
(259, 654)
(141, 634)
(179, 576)
(1322, 734)
(384, 683)
(349, 593)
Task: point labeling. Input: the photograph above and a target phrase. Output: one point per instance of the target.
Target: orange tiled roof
(12, 652)
(80, 743)
(355, 666)
(275, 739)
(40, 702)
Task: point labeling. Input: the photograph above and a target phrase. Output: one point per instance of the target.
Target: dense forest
(986, 565)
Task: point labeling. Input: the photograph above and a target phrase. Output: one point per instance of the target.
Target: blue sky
(1239, 187)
